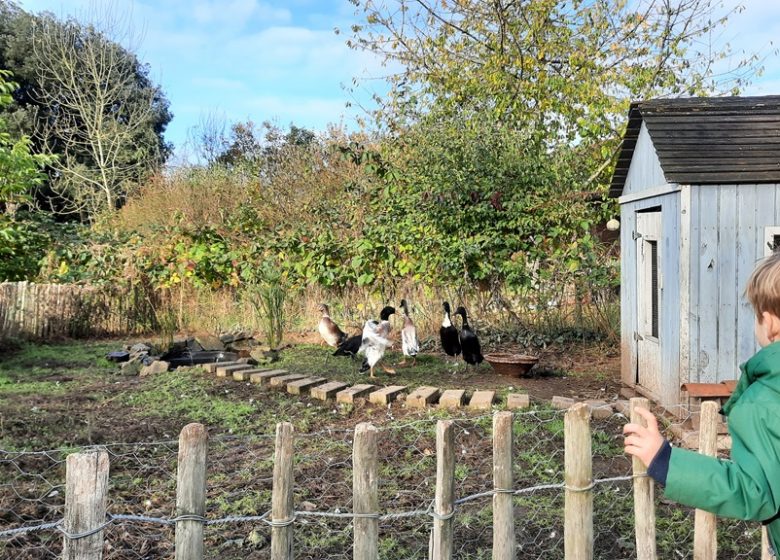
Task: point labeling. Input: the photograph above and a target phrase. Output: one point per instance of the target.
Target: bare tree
(101, 111)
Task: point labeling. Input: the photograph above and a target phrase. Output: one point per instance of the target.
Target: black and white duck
(469, 343)
(450, 341)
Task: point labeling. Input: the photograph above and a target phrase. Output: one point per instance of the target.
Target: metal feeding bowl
(511, 364)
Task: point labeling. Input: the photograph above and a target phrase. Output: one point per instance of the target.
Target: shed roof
(707, 140)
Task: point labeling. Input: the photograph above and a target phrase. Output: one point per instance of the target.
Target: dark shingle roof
(707, 140)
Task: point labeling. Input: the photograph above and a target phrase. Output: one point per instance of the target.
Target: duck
(469, 343)
(349, 346)
(329, 330)
(376, 339)
(409, 343)
(450, 340)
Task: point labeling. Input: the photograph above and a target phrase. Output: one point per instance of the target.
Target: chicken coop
(698, 184)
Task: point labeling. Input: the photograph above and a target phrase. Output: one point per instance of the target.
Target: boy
(748, 485)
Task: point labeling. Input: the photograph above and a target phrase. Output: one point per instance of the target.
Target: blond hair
(763, 286)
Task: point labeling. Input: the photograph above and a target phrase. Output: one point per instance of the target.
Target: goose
(409, 343)
(469, 343)
(376, 339)
(450, 341)
(329, 330)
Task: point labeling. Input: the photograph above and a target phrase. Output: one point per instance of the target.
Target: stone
(562, 402)
(600, 410)
(131, 368)
(452, 398)
(139, 348)
(263, 377)
(423, 396)
(328, 390)
(386, 395)
(482, 400)
(302, 386)
(209, 342)
(348, 396)
(622, 407)
(516, 401)
(155, 367)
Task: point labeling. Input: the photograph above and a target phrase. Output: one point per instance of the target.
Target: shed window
(654, 286)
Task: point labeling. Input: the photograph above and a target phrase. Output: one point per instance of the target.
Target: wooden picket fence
(87, 483)
(46, 311)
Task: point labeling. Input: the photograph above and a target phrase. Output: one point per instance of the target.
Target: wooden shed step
(302, 386)
(227, 371)
(422, 397)
(707, 390)
(386, 395)
(327, 391)
(263, 377)
(348, 396)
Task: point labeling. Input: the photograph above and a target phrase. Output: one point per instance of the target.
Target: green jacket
(748, 485)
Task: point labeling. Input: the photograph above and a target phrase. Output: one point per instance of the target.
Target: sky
(281, 60)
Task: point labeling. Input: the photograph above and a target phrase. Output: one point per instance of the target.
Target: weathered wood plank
(422, 397)
(264, 377)
(227, 371)
(387, 394)
(302, 386)
(328, 390)
(284, 379)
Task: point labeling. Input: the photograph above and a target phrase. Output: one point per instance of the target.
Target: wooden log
(503, 512)
(86, 490)
(578, 509)
(644, 495)
(191, 491)
(282, 494)
(444, 504)
(365, 490)
(705, 537)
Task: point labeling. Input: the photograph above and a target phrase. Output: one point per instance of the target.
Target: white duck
(376, 339)
(409, 343)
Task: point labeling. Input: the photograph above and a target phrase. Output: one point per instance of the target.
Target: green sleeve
(746, 487)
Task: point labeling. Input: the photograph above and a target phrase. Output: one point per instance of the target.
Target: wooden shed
(698, 182)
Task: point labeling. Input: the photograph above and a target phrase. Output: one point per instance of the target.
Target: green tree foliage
(20, 170)
(88, 100)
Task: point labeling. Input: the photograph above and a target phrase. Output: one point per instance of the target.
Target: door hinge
(635, 235)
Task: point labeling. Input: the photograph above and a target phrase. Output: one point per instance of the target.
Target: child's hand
(643, 443)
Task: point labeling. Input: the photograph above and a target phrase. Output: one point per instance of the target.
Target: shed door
(649, 289)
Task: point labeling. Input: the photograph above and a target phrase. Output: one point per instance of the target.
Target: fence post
(191, 491)
(578, 465)
(282, 498)
(86, 489)
(765, 544)
(444, 506)
(365, 490)
(503, 512)
(644, 496)
(705, 537)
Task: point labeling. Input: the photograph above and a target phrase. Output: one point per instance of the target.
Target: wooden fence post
(578, 464)
(705, 537)
(365, 490)
(644, 496)
(765, 544)
(86, 489)
(191, 491)
(282, 498)
(503, 512)
(444, 506)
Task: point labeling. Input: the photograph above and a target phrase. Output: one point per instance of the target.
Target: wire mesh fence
(142, 496)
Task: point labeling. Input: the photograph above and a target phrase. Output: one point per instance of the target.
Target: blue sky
(281, 60)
